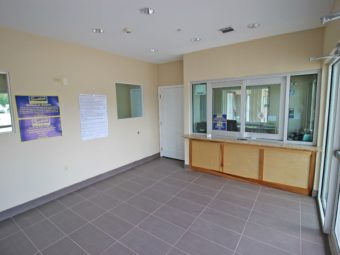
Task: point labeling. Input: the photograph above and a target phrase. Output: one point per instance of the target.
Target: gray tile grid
(185, 213)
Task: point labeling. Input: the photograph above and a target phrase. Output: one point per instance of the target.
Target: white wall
(32, 169)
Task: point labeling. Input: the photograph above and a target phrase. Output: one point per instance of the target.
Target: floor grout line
(245, 225)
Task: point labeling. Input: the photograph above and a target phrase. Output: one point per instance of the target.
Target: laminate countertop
(258, 142)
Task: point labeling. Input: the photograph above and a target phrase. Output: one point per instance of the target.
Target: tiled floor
(162, 208)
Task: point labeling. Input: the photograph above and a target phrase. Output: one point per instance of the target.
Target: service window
(6, 122)
(129, 101)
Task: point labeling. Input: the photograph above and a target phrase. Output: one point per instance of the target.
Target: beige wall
(170, 73)
(35, 168)
(332, 31)
(278, 54)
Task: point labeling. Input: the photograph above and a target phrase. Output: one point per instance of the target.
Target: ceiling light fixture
(98, 30)
(127, 30)
(147, 11)
(196, 39)
(154, 50)
(253, 25)
(331, 17)
(226, 30)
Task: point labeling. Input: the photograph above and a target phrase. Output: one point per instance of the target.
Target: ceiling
(73, 21)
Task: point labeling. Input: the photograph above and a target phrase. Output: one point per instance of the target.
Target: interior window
(199, 108)
(129, 101)
(302, 104)
(5, 105)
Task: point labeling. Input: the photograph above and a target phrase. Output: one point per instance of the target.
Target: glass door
(330, 179)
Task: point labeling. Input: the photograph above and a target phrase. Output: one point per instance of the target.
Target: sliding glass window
(6, 123)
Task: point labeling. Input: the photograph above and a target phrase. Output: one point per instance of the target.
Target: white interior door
(171, 118)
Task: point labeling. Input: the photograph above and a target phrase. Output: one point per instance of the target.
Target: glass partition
(5, 105)
(199, 108)
(226, 115)
(302, 104)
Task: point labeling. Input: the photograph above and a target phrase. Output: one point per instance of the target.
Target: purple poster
(39, 117)
(220, 122)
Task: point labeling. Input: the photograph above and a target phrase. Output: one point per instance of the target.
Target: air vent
(226, 30)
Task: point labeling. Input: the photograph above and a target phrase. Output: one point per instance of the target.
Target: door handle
(337, 154)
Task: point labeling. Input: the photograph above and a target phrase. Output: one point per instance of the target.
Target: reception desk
(276, 164)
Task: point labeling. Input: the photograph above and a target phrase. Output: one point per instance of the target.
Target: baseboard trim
(77, 186)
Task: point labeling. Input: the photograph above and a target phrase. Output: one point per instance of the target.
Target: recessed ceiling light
(253, 25)
(154, 50)
(147, 11)
(127, 30)
(98, 30)
(179, 29)
(195, 39)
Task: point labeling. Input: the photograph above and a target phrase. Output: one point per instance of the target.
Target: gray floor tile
(105, 201)
(236, 199)
(194, 197)
(273, 237)
(307, 200)
(118, 249)
(67, 221)
(88, 192)
(7, 227)
(112, 225)
(194, 244)
(43, 234)
(275, 223)
(185, 176)
(277, 211)
(71, 199)
(129, 213)
(243, 185)
(119, 193)
(224, 220)
(210, 182)
(175, 182)
(215, 233)
(162, 229)
(310, 208)
(64, 247)
(230, 208)
(309, 248)
(311, 228)
(175, 251)
(278, 201)
(240, 191)
(102, 186)
(28, 218)
(52, 208)
(92, 239)
(146, 182)
(251, 247)
(166, 188)
(144, 244)
(193, 187)
(281, 194)
(175, 216)
(155, 175)
(131, 186)
(17, 244)
(88, 210)
(144, 203)
(186, 206)
(156, 195)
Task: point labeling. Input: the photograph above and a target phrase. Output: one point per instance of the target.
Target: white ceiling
(73, 20)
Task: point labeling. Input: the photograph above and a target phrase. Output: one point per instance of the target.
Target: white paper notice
(93, 116)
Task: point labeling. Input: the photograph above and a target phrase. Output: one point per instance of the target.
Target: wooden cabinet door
(288, 167)
(205, 155)
(241, 160)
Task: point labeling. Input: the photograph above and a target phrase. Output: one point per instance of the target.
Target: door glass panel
(227, 109)
(263, 109)
(329, 137)
(302, 103)
(199, 108)
(337, 224)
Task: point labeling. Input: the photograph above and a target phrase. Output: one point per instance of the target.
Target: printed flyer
(39, 117)
(220, 122)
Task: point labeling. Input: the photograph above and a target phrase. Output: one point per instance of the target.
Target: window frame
(10, 103)
(284, 107)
